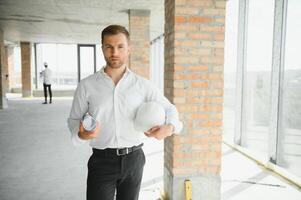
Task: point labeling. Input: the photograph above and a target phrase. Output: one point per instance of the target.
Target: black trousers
(109, 173)
(45, 91)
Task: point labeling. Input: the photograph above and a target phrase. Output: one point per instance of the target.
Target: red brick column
(140, 42)
(194, 51)
(26, 69)
(5, 77)
(2, 63)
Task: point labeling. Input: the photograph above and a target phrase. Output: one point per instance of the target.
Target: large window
(62, 60)
(268, 81)
(257, 78)
(289, 141)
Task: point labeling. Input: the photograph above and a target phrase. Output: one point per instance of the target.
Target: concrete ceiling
(71, 21)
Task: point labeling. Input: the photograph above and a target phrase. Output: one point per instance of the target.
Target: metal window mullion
(277, 76)
(240, 72)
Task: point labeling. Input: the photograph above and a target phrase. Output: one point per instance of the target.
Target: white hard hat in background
(149, 114)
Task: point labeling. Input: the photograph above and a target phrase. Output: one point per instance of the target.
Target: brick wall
(26, 69)
(194, 57)
(140, 42)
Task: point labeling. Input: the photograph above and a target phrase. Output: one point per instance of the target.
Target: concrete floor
(243, 179)
(38, 161)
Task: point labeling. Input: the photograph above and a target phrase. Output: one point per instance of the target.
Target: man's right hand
(88, 135)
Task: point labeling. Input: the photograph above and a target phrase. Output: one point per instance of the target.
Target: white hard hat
(149, 114)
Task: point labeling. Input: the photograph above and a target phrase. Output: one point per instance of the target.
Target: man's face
(115, 50)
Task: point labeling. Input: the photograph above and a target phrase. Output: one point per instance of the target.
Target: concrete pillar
(194, 58)
(9, 50)
(140, 42)
(26, 69)
(3, 102)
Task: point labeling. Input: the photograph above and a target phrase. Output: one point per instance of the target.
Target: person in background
(112, 96)
(47, 78)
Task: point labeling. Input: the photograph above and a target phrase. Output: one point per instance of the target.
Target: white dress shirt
(47, 76)
(114, 107)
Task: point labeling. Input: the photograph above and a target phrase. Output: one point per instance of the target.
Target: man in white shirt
(112, 96)
(47, 77)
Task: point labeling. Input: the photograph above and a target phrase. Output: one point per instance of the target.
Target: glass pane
(100, 61)
(289, 148)
(230, 69)
(17, 68)
(86, 61)
(257, 80)
(67, 66)
(62, 60)
(157, 62)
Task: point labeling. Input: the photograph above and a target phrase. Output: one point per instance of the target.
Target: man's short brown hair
(113, 30)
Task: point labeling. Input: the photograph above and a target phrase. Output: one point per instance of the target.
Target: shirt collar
(103, 74)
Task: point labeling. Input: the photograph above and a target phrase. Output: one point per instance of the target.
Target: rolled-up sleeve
(78, 109)
(171, 112)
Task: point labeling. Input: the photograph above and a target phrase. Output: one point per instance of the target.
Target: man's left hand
(160, 132)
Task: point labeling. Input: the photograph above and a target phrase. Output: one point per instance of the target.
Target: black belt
(118, 151)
